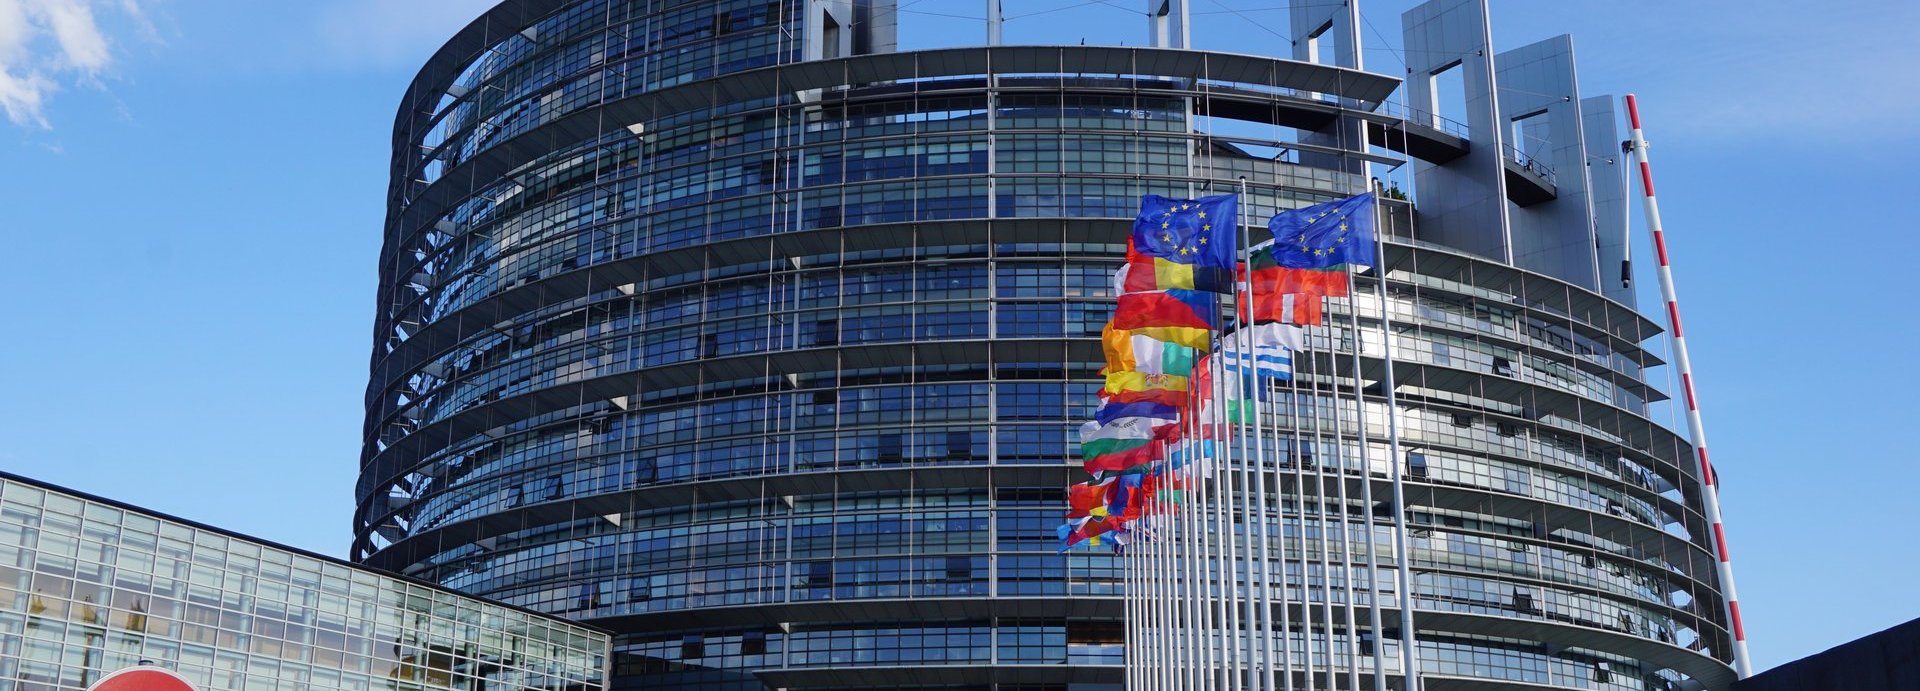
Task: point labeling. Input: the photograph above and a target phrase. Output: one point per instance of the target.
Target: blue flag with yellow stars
(1201, 235)
(1325, 236)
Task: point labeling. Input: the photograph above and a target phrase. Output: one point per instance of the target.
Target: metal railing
(1531, 165)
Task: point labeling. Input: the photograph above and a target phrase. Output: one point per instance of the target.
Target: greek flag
(1272, 354)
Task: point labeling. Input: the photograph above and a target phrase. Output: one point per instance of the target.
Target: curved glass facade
(769, 360)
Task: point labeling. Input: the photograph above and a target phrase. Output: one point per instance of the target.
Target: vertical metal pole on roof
(1185, 18)
(1696, 428)
(994, 22)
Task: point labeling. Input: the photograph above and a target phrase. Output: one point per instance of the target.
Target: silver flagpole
(1151, 607)
(1297, 405)
(1259, 657)
(1409, 648)
(1203, 512)
(1188, 613)
(1272, 409)
(1259, 609)
(1366, 481)
(1224, 516)
(1342, 456)
(1149, 611)
(1320, 455)
(1267, 510)
(1176, 586)
(1300, 453)
(1190, 548)
(1131, 653)
(1162, 652)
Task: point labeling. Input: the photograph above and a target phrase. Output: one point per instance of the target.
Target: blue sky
(191, 195)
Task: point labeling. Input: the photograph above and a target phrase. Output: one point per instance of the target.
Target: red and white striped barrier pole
(1696, 430)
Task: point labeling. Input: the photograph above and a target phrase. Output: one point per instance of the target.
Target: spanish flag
(1141, 382)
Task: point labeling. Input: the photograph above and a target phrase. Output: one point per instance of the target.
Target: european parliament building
(731, 327)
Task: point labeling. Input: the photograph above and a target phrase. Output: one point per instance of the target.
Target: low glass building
(89, 586)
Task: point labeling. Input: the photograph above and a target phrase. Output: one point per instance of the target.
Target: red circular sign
(143, 678)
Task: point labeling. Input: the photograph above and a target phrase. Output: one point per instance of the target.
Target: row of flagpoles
(1209, 458)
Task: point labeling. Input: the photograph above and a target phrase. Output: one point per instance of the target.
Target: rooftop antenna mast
(1696, 430)
(1169, 24)
(995, 21)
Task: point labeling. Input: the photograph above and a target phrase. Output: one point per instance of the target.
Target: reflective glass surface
(87, 588)
(781, 381)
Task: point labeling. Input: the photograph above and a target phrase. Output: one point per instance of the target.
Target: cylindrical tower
(726, 327)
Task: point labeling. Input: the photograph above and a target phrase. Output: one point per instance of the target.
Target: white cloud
(22, 97)
(43, 42)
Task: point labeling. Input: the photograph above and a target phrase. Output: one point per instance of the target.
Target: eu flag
(1324, 236)
(1203, 233)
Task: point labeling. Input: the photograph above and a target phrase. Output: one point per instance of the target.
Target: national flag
(1287, 308)
(1129, 351)
(1166, 397)
(1193, 457)
(1325, 236)
(1267, 275)
(1269, 353)
(1140, 496)
(1124, 488)
(1124, 443)
(1144, 272)
(1084, 498)
(1181, 335)
(1143, 493)
(1140, 382)
(1203, 234)
(1114, 411)
(1288, 295)
(1128, 428)
(1077, 531)
(1267, 362)
(1121, 457)
(1182, 308)
(1235, 406)
(1279, 335)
